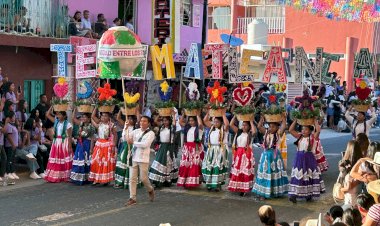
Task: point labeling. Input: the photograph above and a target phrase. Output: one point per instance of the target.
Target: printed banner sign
(363, 64)
(140, 71)
(82, 61)
(62, 51)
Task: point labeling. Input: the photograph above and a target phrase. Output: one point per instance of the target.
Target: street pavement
(31, 202)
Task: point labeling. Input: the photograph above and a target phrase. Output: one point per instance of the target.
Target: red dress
(320, 157)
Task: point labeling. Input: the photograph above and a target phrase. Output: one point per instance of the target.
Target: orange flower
(216, 92)
(106, 93)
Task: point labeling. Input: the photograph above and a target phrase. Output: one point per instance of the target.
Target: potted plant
(193, 105)
(83, 106)
(217, 108)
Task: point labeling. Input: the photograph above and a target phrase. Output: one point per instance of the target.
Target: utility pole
(204, 23)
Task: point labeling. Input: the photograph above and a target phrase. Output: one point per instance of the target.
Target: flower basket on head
(306, 122)
(362, 91)
(60, 107)
(193, 106)
(130, 110)
(273, 111)
(192, 112)
(244, 113)
(85, 108)
(61, 88)
(361, 107)
(217, 112)
(165, 106)
(106, 108)
(165, 111)
(273, 117)
(245, 117)
(216, 99)
(130, 105)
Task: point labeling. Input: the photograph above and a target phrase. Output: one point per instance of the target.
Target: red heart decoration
(243, 95)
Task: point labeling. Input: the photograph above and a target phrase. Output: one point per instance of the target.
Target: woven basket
(306, 122)
(273, 118)
(130, 111)
(106, 108)
(192, 112)
(165, 111)
(217, 112)
(361, 107)
(60, 107)
(245, 117)
(85, 108)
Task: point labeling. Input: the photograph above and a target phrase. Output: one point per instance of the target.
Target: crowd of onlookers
(16, 21)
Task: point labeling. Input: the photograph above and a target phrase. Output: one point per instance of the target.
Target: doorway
(32, 91)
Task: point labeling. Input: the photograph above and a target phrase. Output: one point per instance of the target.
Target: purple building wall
(108, 7)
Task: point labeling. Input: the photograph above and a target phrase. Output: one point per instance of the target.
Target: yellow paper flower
(61, 80)
(363, 84)
(215, 93)
(245, 84)
(164, 87)
(129, 99)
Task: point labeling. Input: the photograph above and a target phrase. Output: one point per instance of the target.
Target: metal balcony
(276, 25)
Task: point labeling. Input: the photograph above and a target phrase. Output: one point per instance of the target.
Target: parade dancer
(60, 158)
(271, 178)
(320, 157)
(306, 182)
(215, 163)
(103, 157)
(164, 170)
(124, 153)
(81, 163)
(243, 165)
(141, 139)
(190, 170)
(360, 124)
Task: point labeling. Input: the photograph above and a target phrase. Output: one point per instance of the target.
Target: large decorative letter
(62, 50)
(313, 71)
(194, 66)
(161, 56)
(363, 64)
(247, 63)
(217, 59)
(81, 60)
(275, 65)
(326, 66)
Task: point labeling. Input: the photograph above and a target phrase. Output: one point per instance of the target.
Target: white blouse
(104, 131)
(60, 128)
(242, 140)
(165, 135)
(126, 132)
(214, 137)
(191, 134)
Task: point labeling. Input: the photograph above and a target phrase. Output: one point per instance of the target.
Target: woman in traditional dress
(103, 161)
(81, 163)
(60, 159)
(190, 170)
(271, 178)
(306, 182)
(124, 151)
(320, 157)
(243, 165)
(164, 169)
(215, 163)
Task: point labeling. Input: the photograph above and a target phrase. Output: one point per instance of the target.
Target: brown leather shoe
(131, 202)
(151, 195)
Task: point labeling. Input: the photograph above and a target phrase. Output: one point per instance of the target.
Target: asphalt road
(38, 203)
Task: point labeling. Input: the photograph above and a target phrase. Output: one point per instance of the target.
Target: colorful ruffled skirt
(215, 166)
(164, 169)
(102, 162)
(81, 163)
(60, 161)
(306, 182)
(122, 169)
(242, 171)
(190, 169)
(320, 157)
(271, 178)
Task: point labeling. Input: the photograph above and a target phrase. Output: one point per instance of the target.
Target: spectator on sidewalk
(3, 155)
(42, 107)
(334, 215)
(267, 216)
(11, 143)
(75, 26)
(373, 215)
(352, 217)
(365, 201)
(10, 93)
(21, 115)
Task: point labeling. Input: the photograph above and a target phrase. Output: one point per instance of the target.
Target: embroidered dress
(122, 169)
(164, 169)
(271, 178)
(320, 157)
(215, 163)
(242, 171)
(306, 181)
(190, 170)
(103, 157)
(81, 163)
(284, 150)
(60, 159)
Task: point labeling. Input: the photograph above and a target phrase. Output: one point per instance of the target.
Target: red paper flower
(106, 93)
(272, 99)
(216, 92)
(362, 91)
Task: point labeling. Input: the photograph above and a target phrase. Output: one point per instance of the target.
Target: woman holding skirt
(164, 169)
(190, 170)
(103, 157)
(215, 163)
(243, 165)
(81, 163)
(306, 182)
(271, 178)
(60, 159)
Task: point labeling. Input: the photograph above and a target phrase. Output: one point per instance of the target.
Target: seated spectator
(364, 201)
(75, 28)
(101, 25)
(342, 126)
(129, 23)
(116, 22)
(21, 23)
(373, 215)
(5, 18)
(352, 217)
(267, 215)
(334, 215)
(85, 21)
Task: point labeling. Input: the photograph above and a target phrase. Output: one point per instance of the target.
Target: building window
(186, 12)
(219, 17)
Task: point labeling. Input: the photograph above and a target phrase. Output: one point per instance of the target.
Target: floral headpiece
(272, 98)
(106, 93)
(216, 93)
(61, 88)
(165, 91)
(85, 86)
(192, 92)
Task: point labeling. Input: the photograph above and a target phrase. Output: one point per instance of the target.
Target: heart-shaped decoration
(61, 88)
(243, 95)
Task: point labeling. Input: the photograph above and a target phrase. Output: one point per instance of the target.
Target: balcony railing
(276, 25)
(258, 2)
(42, 18)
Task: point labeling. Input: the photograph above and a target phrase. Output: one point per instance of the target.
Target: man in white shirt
(85, 21)
(141, 139)
(360, 125)
(129, 23)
